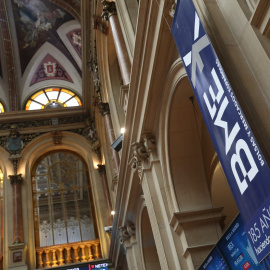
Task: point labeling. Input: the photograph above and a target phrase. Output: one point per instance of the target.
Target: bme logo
(240, 156)
(216, 110)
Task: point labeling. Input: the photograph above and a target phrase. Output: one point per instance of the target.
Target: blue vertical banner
(242, 160)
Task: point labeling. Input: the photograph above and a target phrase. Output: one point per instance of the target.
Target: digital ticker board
(100, 266)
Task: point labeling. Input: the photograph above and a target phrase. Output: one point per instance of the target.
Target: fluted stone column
(105, 111)
(109, 13)
(16, 181)
(102, 172)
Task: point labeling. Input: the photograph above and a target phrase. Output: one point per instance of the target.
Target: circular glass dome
(52, 98)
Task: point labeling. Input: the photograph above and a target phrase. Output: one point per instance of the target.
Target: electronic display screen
(100, 266)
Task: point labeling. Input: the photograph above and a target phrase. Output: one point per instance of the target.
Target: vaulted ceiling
(40, 46)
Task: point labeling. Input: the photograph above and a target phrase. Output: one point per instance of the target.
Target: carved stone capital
(123, 234)
(104, 108)
(109, 9)
(139, 154)
(149, 142)
(130, 228)
(15, 179)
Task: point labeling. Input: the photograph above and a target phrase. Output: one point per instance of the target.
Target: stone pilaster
(127, 237)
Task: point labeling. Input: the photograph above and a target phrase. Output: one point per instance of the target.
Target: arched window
(63, 207)
(1, 108)
(52, 98)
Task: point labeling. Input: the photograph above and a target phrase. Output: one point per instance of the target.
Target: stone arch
(30, 154)
(186, 157)
(187, 150)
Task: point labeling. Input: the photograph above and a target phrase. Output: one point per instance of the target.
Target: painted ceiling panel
(36, 22)
(50, 69)
(75, 39)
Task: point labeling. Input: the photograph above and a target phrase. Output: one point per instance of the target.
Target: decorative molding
(109, 9)
(57, 137)
(130, 228)
(104, 108)
(114, 184)
(100, 25)
(149, 143)
(181, 220)
(261, 16)
(123, 100)
(123, 234)
(172, 9)
(15, 145)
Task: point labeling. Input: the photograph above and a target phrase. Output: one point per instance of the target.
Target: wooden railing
(68, 253)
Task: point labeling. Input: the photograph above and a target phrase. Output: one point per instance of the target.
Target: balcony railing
(68, 253)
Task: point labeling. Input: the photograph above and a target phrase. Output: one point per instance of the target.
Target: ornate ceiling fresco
(41, 41)
(36, 22)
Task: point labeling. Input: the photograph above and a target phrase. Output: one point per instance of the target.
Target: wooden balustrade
(68, 253)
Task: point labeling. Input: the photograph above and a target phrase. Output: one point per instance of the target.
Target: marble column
(16, 181)
(102, 172)
(109, 13)
(105, 111)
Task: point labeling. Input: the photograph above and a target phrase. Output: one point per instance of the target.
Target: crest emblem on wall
(50, 69)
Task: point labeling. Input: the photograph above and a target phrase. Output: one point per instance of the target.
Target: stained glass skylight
(52, 98)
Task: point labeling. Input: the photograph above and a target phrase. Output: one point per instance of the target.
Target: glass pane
(72, 102)
(44, 220)
(59, 225)
(41, 170)
(1, 108)
(63, 97)
(34, 106)
(42, 183)
(73, 228)
(52, 95)
(66, 216)
(86, 220)
(42, 99)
